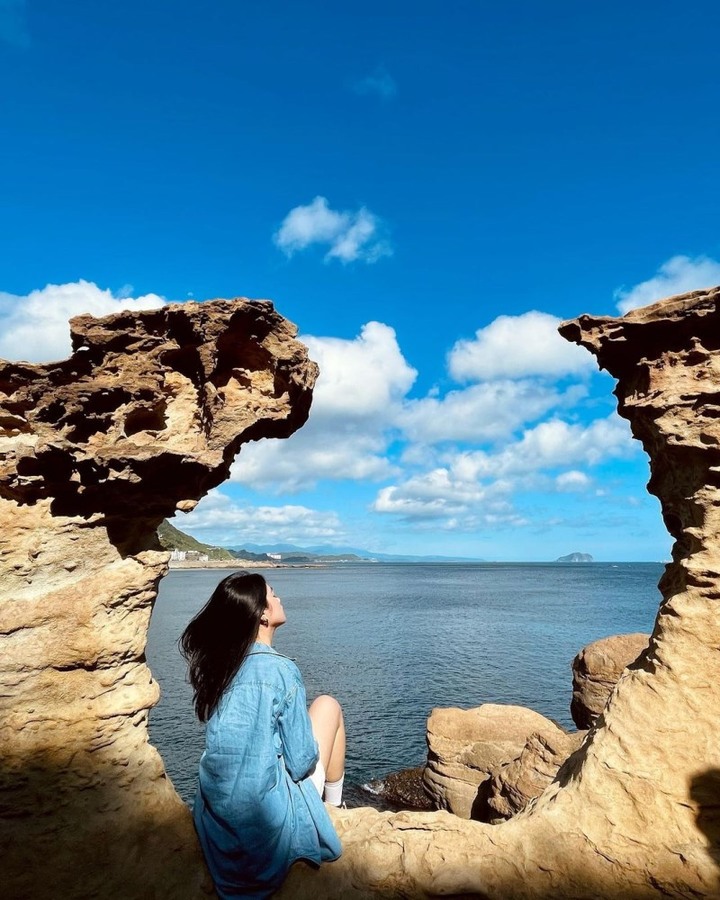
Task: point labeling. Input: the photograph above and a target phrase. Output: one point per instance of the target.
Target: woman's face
(275, 612)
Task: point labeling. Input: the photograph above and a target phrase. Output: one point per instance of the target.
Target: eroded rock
(511, 787)
(143, 419)
(465, 746)
(635, 813)
(596, 670)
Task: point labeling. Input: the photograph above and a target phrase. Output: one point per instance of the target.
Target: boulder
(465, 746)
(514, 785)
(597, 669)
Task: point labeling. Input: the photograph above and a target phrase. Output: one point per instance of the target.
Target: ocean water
(391, 641)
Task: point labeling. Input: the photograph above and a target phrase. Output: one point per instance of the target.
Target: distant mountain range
(172, 538)
(356, 553)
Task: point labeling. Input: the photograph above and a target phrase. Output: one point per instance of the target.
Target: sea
(392, 641)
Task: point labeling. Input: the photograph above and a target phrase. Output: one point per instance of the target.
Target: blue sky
(425, 189)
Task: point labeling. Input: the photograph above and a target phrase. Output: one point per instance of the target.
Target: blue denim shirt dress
(256, 812)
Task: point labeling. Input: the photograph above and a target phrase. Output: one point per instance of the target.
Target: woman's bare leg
(329, 729)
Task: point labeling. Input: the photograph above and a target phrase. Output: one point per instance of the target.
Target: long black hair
(218, 639)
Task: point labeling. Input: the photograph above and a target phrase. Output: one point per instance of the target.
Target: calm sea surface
(391, 641)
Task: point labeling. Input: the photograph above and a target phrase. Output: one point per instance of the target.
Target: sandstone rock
(87, 811)
(465, 746)
(145, 417)
(635, 813)
(596, 670)
(514, 785)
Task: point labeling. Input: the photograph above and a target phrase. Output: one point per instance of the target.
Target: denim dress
(256, 811)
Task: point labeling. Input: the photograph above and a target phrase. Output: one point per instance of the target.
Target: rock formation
(88, 474)
(466, 746)
(635, 813)
(142, 420)
(596, 670)
(511, 787)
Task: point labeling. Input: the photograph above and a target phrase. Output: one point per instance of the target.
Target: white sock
(333, 791)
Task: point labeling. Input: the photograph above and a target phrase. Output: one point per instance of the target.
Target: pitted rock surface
(143, 419)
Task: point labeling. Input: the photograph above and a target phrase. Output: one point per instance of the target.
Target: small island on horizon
(575, 558)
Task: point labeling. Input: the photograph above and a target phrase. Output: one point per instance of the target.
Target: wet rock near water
(399, 790)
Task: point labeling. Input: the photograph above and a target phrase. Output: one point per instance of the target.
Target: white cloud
(366, 376)
(222, 521)
(676, 276)
(483, 412)
(35, 327)
(361, 406)
(380, 82)
(551, 445)
(446, 501)
(310, 455)
(518, 347)
(349, 235)
(357, 399)
(572, 481)
(475, 488)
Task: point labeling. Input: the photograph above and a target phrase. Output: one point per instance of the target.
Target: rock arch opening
(636, 814)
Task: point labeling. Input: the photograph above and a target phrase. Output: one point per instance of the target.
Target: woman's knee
(327, 707)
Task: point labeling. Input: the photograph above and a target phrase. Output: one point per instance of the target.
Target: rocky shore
(142, 420)
(490, 762)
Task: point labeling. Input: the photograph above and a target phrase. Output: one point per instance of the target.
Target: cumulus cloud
(443, 500)
(366, 376)
(518, 347)
(676, 276)
(356, 402)
(349, 235)
(13, 23)
(380, 83)
(223, 521)
(34, 327)
(549, 445)
(483, 412)
(475, 488)
(361, 406)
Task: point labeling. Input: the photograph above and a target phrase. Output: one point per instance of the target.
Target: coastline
(238, 564)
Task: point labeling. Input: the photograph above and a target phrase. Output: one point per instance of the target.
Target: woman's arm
(299, 746)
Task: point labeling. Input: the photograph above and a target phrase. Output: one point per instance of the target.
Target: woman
(268, 760)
